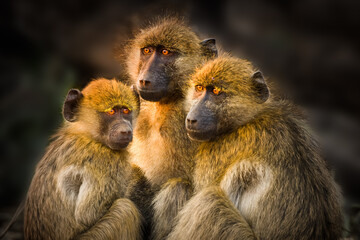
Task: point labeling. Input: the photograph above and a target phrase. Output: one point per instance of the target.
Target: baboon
(142, 194)
(80, 185)
(159, 60)
(258, 172)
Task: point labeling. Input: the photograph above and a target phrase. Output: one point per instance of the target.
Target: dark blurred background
(309, 48)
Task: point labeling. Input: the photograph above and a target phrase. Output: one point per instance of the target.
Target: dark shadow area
(309, 49)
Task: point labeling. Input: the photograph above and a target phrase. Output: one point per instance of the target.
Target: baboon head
(162, 56)
(103, 111)
(225, 94)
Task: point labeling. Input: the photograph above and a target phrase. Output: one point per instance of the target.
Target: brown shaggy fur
(79, 187)
(161, 147)
(264, 178)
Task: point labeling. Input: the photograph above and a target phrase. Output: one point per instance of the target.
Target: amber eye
(165, 52)
(216, 91)
(199, 88)
(146, 50)
(126, 110)
(111, 112)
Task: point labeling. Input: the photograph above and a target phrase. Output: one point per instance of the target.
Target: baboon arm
(167, 203)
(121, 221)
(91, 202)
(141, 193)
(210, 215)
(80, 188)
(244, 175)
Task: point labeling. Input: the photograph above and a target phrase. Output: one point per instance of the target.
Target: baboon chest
(160, 146)
(209, 171)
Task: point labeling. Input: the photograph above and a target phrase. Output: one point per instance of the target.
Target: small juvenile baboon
(160, 59)
(79, 188)
(258, 172)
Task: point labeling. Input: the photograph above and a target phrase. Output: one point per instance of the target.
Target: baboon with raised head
(160, 58)
(80, 186)
(258, 172)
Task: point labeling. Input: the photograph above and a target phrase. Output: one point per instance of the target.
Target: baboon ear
(71, 104)
(260, 86)
(209, 47)
(136, 93)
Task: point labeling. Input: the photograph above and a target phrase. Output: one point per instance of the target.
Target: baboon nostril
(191, 121)
(144, 83)
(125, 132)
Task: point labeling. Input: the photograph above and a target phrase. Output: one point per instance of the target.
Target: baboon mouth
(152, 96)
(199, 135)
(120, 144)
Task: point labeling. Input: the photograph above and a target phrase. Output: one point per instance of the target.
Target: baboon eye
(146, 50)
(111, 112)
(165, 52)
(216, 91)
(199, 88)
(126, 110)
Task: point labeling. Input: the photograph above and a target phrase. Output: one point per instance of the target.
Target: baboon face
(225, 94)
(202, 120)
(161, 57)
(154, 77)
(104, 110)
(161, 66)
(116, 127)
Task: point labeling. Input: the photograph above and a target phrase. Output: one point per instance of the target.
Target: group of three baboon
(214, 155)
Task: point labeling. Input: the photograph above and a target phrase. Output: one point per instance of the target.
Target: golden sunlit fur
(80, 186)
(264, 177)
(161, 147)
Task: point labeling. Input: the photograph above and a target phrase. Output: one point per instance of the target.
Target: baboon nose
(144, 83)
